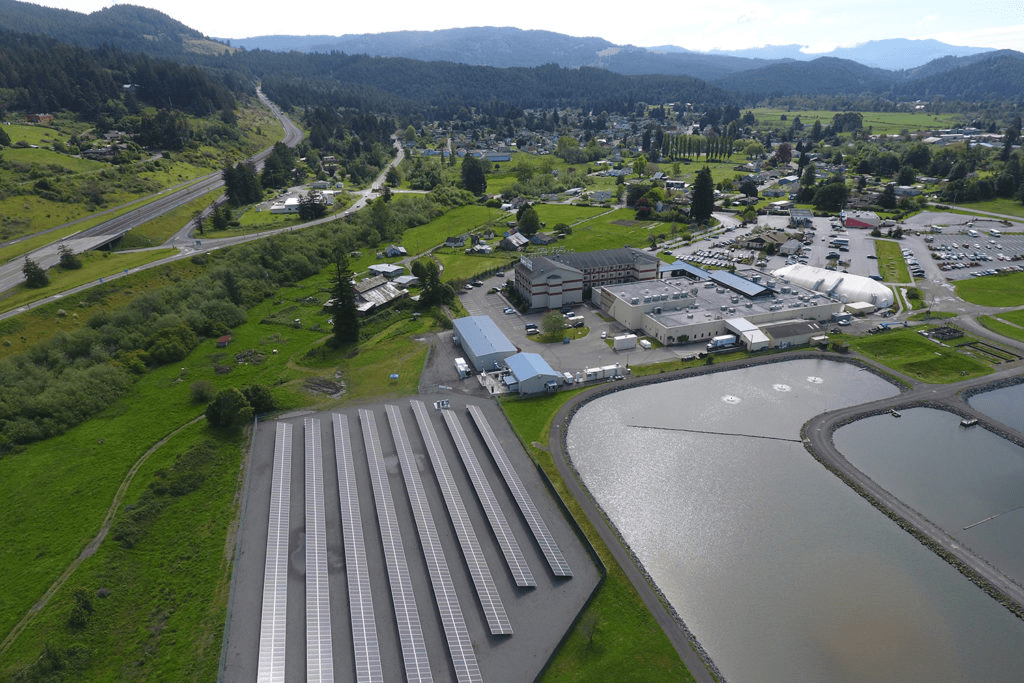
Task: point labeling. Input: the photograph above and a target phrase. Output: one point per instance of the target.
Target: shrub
(202, 391)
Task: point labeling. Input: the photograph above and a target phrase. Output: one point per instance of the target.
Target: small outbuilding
(223, 341)
(530, 374)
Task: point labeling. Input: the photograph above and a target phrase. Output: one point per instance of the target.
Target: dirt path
(93, 545)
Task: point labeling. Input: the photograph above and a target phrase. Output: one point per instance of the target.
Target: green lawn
(1002, 289)
(1008, 207)
(613, 230)
(910, 353)
(616, 637)
(459, 267)
(891, 265)
(1000, 326)
(553, 214)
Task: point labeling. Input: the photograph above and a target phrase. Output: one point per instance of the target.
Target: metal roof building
(531, 374)
(740, 285)
(485, 346)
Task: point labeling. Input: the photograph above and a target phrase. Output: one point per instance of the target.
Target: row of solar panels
(319, 659)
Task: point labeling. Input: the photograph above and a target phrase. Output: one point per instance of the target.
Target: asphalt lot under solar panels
(539, 616)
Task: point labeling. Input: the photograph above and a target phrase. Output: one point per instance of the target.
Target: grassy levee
(1003, 289)
(908, 352)
(616, 638)
(891, 264)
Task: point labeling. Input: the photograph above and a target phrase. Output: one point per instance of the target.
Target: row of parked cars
(912, 263)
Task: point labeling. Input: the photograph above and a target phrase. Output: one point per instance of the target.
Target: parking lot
(587, 352)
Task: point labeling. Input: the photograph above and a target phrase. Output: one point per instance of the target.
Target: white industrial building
(530, 374)
(483, 344)
(680, 310)
(845, 287)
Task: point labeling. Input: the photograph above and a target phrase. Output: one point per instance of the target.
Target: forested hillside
(124, 26)
(296, 79)
(41, 74)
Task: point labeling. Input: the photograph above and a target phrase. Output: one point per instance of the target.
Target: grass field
(165, 616)
(626, 643)
(459, 221)
(891, 265)
(612, 230)
(553, 214)
(1008, 207)
(878, 122)
(28, 328)
(158, 230)
(95, 265)
(908, 352)
(459, 267)
(1003, 289)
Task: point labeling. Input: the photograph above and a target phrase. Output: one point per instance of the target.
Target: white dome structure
(846, 287)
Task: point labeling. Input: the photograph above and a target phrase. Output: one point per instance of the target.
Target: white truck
(722, 341)
(624, 342)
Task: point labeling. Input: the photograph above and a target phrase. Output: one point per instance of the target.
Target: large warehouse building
(484, 345)
(845, 287)
(676, 311)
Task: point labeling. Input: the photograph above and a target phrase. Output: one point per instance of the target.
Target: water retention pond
(779, 569)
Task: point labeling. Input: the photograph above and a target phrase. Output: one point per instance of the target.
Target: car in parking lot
(604, 335)
(509, 310)
(468, 286)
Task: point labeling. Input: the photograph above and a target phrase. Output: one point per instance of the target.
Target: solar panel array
(275, 574)
(547, 544)
(460, 646)
(483, 582)
(410, 632)
(319, 652)
(364, 630)
(499, 523)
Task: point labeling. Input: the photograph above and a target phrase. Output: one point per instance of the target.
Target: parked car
(509, 310)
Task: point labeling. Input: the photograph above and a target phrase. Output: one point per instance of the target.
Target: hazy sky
(819, 26)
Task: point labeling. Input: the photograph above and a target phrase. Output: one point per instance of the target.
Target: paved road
(11, 275)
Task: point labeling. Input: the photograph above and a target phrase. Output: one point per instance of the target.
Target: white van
(995, 233)
(972, 233)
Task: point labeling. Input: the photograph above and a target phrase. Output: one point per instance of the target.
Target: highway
(11, 272)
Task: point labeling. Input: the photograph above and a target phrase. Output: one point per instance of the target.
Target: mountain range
(889, 69)
(506, 47)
